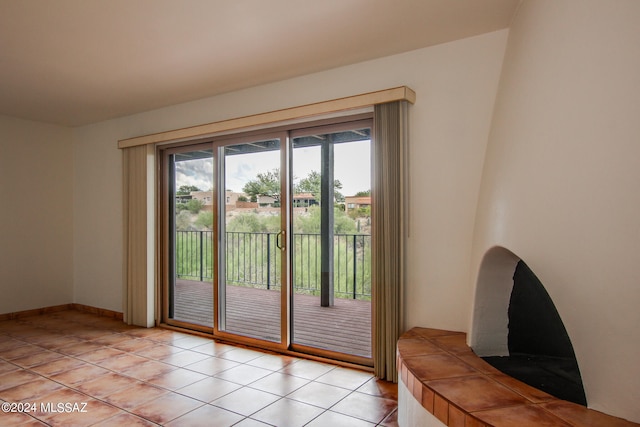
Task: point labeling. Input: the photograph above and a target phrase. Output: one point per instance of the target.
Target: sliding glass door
(251, 239)
(187, 220)
(268, 239)
(331, 247)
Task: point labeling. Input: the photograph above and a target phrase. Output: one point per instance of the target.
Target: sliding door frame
(166, 229)
(218, 236)
(217, 143)
(307, 129)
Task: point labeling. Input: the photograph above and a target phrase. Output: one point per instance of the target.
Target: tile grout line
(68, 331)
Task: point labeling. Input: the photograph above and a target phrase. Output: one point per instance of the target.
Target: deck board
(344, 327)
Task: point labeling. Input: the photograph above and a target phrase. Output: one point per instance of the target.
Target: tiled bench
(460, 389)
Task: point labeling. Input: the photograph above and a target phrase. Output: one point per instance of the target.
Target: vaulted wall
(559, 187)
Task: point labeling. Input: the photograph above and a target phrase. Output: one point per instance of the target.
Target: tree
(313, 184)
(268, 184)
(265, 184)
(361, 212)
(183, 221)
(205, 220)
(254, 223)
(365, 193)
(310, 223)
(185, 190)
(194, 205)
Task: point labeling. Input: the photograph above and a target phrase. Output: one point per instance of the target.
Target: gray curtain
(389, 216)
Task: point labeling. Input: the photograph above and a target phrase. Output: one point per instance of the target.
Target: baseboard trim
(99, 311)
(64, 307)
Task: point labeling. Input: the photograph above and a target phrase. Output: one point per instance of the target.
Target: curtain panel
(138, 251)
(389, 227)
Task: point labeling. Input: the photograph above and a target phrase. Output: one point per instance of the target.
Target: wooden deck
(345, 327)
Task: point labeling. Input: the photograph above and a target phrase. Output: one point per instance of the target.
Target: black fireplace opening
(540, 351)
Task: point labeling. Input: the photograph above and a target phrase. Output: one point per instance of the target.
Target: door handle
(279, 244)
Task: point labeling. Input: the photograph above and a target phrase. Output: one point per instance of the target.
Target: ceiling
(75, 62)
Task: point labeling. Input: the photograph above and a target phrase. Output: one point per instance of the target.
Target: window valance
(402, 93)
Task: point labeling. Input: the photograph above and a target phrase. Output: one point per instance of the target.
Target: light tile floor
(52, 364)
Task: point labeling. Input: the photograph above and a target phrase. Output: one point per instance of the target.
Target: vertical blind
(389, 216)
(138, 282)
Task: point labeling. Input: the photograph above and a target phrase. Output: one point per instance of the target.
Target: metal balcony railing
(252, 259)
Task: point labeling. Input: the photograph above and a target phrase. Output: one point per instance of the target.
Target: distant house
(266, 200)
(231, 197)
(206, 197)
(304, 200)
(183, 198)
(356, 202)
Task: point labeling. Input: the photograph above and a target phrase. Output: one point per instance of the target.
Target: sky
(352, 167)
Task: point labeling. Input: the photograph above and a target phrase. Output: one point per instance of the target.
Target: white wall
(411, 412)
(456, 85)
(560, 182)
(98, 216)
(36, 219)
